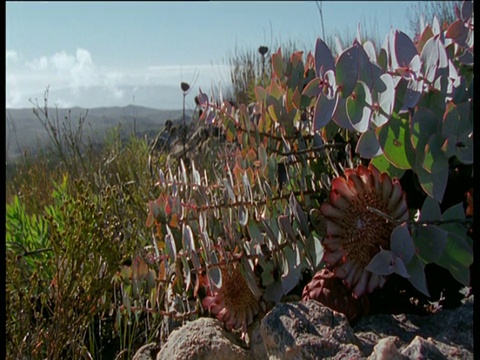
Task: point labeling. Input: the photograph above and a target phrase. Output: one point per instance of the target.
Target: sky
(94, 54)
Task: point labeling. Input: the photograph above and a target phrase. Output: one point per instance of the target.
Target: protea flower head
(363, 209)
(233, 303)
(329, 290)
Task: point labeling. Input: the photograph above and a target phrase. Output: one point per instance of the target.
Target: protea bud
(329, 290)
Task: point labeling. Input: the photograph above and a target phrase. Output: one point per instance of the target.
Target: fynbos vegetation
(332, 177)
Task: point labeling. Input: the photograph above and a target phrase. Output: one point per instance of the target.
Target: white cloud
(76, 74)
(11, 55)
(38, 64)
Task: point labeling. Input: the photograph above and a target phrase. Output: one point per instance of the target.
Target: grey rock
(449, 332)
(308, 330)
(387, 350)
(202, 339)
(420, 348)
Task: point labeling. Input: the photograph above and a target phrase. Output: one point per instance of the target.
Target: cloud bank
(71, 78)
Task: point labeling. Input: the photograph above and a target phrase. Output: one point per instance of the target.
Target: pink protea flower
(357, 227)
(234, 304)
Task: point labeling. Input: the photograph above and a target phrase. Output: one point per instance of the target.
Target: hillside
(24, 130)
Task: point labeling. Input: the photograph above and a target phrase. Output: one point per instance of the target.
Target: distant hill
(24, 130)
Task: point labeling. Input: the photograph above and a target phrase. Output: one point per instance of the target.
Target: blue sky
(120, 47)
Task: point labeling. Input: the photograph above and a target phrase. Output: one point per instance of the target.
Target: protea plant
(233, 303)
(362, 210)
(329, 290)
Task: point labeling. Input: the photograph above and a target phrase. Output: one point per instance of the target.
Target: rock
(447, 334)
(202, 339)
(307, 330)
(420, 348)
(310, 330)
(147, 352)
(387, 350)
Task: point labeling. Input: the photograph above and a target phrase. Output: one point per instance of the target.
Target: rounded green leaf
(340, 115)
(383, 165)
(430, 242)
(384, 96)
(401, 243)
(434, 184)
(416, 269)
(323, 58)
(324, 109)
(394, 138)
(383, 263)
(405, 49)
(435, 159)
(368, 146)
(359, 107)
(424, 123)
(346, 71)
(430, 210)
(457, 258)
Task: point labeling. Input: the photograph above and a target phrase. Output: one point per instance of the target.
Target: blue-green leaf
(368, 146)
(457, 258)
(324, 109)
(401, 243)
(416, 269)
(383, 263)
(430, 242)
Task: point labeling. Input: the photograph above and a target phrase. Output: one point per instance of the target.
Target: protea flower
(329, 290)
(363, 209)
(234, 304)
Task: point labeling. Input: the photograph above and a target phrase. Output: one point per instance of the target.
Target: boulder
(308, 330)
(202, 339)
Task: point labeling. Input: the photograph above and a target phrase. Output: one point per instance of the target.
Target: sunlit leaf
(434, 157)
(424, 123)
(383, 165)
(358, 106)
(188, 239)
(384, 95)
(340, 116)
(394, 138)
